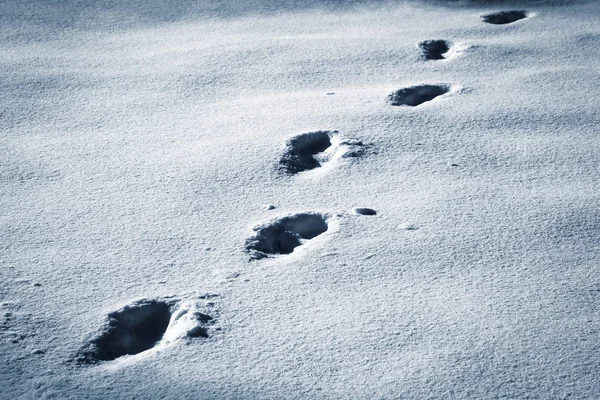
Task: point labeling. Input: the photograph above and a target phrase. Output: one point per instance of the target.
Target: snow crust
(141, 152)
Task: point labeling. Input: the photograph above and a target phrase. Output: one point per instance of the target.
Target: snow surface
(141, 145)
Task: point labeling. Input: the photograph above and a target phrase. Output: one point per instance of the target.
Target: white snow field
(187, 191)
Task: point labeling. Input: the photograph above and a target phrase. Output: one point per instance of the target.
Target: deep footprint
(300, 151)
(434, 49)
(130, 330)
(504, 17)
(415, 95)
(364, 211)
(313, 149)
(140, 326)
(283, 235)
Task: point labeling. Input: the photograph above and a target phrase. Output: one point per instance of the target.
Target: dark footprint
(415, 95)
(283, 235)
(434, 49)
(300, 151)
(141, 326)
(130, 330)
(311, 150)
(504, 17)
(364, 211)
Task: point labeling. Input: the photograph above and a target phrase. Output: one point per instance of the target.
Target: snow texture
(185, 189)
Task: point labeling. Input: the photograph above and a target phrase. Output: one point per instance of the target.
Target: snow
(141, 153)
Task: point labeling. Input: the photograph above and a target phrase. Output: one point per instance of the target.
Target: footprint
(143, 325)
(434, 49)
(504, 17)
(314, 149)
(283, 235)
(364, 211)
(415, 95)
